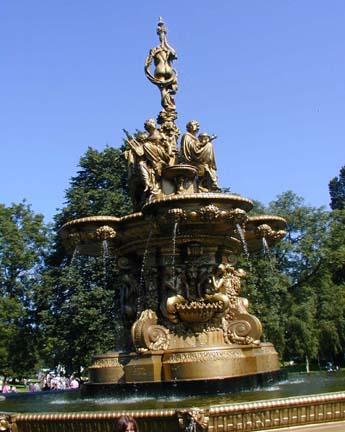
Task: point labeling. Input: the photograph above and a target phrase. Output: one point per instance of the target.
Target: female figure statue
(164, 75)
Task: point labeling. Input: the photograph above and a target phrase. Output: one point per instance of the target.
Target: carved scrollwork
(194, 420)
(176, 215)
(147, 335)
(105, 232)
(74, 239)
(199, 311)
(244, 330)
(238, 216)
(209, 213)
(6, 424)
(264, 230)
(277, 235)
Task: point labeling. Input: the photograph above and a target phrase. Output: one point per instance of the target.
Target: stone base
(234, 361)
(108, 368)
(184, 364)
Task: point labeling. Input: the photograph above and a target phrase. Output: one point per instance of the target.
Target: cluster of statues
(156, 148)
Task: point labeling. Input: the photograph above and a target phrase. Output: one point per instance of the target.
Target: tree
(337, 191)
(77, 301)
(23, 246)
(266, 290)
(331, 306)
(289, 299)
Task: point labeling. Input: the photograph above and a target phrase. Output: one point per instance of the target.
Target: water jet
(191, 331)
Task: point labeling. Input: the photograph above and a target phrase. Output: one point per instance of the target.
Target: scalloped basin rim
(276, 221)
(104, 219)
(197, 197)
(259, 218)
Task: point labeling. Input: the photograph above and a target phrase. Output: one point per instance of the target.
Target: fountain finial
(164, 75)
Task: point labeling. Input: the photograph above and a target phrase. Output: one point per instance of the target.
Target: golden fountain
(189, 330)
(181, 297)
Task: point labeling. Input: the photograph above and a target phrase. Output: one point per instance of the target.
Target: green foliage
(288, 291)
(77, 303)
(266, 290)
(99, 188)
(57, 310)
(337, 191)
(23, 245)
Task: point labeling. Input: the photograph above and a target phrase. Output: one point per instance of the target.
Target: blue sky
(267, 76)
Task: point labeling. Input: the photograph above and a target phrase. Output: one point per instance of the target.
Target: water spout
(142, 270)
(267, 252)
(141, 294)
(173, 258)
(105, 248)
(243, 240)
(105, 256)
(75, 255)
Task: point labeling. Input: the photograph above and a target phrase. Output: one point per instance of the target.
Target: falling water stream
(75, 255)
(244, 244)
(173, 274)
(105, 255)
(142, 271)
(267, 252)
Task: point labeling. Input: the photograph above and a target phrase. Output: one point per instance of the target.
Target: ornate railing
(251, 416)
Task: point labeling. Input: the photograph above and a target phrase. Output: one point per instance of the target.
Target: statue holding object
(198, 151)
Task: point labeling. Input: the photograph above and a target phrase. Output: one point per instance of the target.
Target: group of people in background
(45, 381)
(125, 423)
(7, 388)
(50, 381)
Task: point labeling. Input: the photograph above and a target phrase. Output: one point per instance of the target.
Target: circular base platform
(187, 388)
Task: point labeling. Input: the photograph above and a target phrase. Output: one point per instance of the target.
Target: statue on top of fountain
(148, 154)
(155, 167)
(199, 152)
(164, 75)
(154, 150)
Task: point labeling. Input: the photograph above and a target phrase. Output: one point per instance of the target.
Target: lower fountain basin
(171, 397)
(300, 399)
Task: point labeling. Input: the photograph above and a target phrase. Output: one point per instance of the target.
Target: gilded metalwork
(198, 151)
(181, 293)
(7, 423)
(147, 335)
(105, 232)
(195, 420)
(178, 253)
(249, 416)
(164, 75)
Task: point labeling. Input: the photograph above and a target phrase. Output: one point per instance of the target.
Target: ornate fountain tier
(216, 218)
(180, 295)
(181, 288)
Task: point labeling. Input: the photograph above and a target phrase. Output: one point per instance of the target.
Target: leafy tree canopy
(337, 191)
(77, 301)
(23, 245)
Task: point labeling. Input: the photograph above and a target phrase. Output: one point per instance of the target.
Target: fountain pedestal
(182, 288)
(178, 254)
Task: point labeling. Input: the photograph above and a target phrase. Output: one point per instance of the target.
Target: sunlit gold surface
(249, 416)
(188, 290)
(178, 254)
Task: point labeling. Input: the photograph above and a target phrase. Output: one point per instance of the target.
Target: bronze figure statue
(164, 75)
(198, 151)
